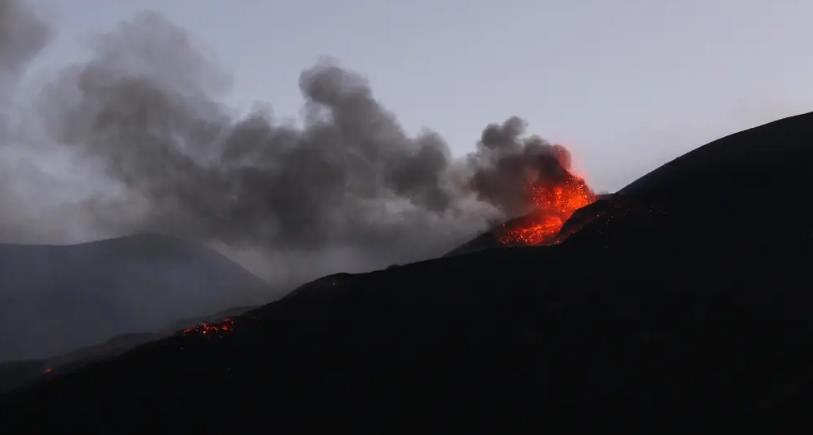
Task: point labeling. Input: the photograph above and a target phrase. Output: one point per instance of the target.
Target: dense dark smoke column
(347, 189)
(506, 163)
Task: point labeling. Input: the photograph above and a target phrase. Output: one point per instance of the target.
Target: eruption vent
(554, 201)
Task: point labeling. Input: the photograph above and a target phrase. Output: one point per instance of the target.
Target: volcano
(555, 194)
(680, 304)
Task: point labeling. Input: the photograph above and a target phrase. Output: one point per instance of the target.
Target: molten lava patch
(225, 326)
(554, 204)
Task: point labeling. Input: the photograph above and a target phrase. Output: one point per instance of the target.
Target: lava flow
(225, 326)
(554, 203)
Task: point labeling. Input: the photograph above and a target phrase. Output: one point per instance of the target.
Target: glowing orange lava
(225, 326)
(554, 203)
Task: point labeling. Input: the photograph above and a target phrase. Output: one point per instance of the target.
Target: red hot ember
(225, 326)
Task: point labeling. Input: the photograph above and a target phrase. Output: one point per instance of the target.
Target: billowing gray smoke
(346, 190)
(22, 35)
(506, 161)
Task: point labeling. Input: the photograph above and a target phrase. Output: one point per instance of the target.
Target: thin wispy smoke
(348, 189)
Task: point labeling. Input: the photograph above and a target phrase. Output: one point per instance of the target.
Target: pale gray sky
(627, 85)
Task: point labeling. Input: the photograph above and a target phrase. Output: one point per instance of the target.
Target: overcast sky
(628, 85)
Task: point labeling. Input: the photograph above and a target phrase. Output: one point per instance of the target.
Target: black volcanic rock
(55, 299)
(658, 315)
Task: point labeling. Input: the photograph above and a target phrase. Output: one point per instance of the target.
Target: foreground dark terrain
(682, 304)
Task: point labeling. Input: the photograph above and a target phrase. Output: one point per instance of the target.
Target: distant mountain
(672, 308)
(55, 299)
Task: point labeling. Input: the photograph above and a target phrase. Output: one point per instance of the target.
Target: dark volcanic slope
(756, 180)
(773, 160)
(750, 187)
(54, 299)
(658, 316)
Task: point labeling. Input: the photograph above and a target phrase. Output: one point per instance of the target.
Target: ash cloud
(506, 161)
(22, 35)
(347, 189)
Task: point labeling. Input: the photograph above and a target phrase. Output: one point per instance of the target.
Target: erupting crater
(554, 203)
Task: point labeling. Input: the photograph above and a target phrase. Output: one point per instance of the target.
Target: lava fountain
(554, 200)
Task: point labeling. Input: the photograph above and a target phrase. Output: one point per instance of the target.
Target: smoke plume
(153, 149)
(22, 35)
